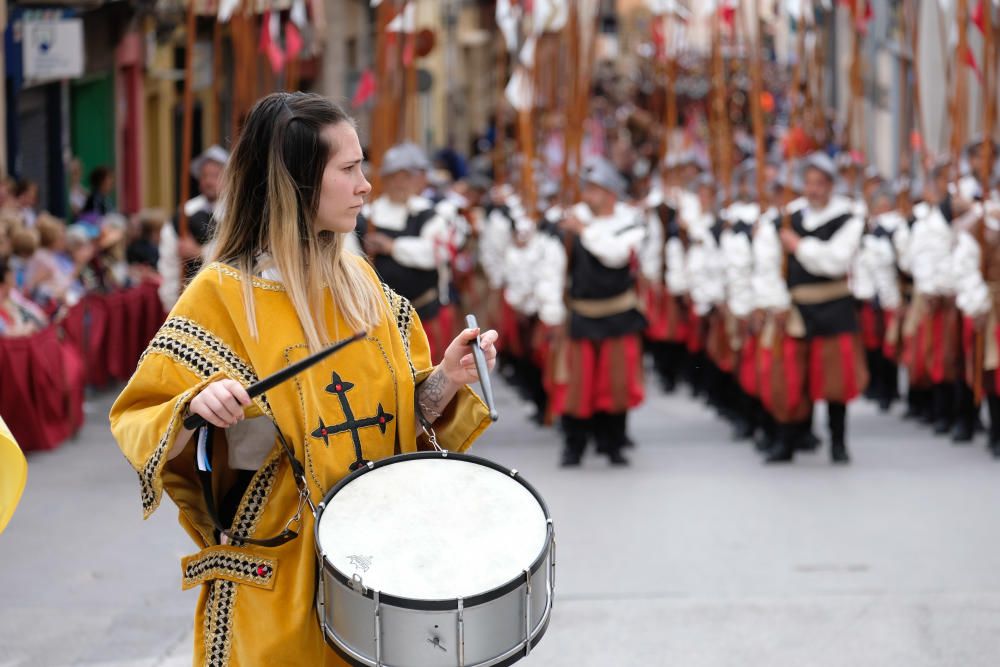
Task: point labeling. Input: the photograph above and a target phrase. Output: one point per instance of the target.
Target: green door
(93, 123)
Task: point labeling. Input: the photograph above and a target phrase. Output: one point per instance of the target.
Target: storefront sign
(52, 49)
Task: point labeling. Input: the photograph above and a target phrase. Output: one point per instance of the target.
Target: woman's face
(344, 186)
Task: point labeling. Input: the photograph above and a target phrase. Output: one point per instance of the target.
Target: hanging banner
(52, 49)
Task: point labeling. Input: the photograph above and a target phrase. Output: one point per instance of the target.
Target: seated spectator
(54, 270)
(109, 265)
(23, 245)
(98, 204)
(18, 315)
(144, 252)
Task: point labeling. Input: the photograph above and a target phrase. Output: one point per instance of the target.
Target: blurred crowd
(49, 264)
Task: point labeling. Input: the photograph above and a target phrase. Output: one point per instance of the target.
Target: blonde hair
(269, 199)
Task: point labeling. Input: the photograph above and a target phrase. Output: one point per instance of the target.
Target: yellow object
(256, 603)
(13, 475)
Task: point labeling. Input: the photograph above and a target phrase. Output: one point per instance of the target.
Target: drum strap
(205, 437)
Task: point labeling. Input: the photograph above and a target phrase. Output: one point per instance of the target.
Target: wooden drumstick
(482, 369)
(194, 422)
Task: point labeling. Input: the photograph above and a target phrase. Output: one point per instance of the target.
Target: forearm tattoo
(434, 395)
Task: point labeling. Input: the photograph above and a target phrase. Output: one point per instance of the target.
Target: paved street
(696, 556)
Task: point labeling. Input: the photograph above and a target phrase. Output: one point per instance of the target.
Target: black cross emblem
(339, 388)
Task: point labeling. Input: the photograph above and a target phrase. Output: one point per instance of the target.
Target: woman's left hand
(458, 365)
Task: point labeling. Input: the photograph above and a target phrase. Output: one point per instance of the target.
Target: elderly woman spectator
(54, 270)
(18, 315)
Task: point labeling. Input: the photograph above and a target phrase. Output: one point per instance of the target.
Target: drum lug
(357, 585)
(461, 632)
(527, 613)
(513, 473)
(378, 630)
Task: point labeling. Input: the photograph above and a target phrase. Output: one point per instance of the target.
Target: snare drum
(434, 559)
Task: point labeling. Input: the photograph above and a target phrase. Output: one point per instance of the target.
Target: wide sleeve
(675, 273)
(651, 251)
(971, 293)
(738, 259)
(769, 286)
(831, 258)
(423, 251)
(550, 282)
(613, 245)
(188, 352)
(466, 417)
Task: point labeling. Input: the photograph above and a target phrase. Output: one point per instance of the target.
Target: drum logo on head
(362, 563)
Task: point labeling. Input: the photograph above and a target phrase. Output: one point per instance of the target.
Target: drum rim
(446, 604)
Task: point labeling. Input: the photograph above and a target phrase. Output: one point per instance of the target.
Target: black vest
(590, 279)
(830, 318)
(408, 282)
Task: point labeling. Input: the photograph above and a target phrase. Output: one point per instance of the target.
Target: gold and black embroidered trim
(219, 622)
(260, 283)
(403, 312)
(252, 506)
(150, 486)
(245, 567)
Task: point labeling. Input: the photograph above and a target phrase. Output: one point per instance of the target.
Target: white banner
(53, 49)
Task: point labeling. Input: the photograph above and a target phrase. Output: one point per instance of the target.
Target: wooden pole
(985, 176)
(756, 90)
(217, 80)
(500, 131)
(187, 131)
(383, 99)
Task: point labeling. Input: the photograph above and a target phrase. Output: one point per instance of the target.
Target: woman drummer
(281, 288)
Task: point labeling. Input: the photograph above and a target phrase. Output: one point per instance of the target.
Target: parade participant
(821, 241)
(977, 272)
(885, 251)
(406, 238)
(600, 366)
(281, 287)
(707, 289)
(933, 322)
(660, 305)
(737, 254)
(207, 169)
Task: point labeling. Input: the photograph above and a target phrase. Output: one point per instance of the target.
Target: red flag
(970, 60)
(916, 141)
(977, 17)
(727, 13)
(293, 40)
(268, 46)
(365, 89)
(659, 40)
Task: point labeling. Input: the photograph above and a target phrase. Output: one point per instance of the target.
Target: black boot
(766, 437)
(614, 437)
(874, 389)
(944, 403)
(838, 432)
(993, 403)
(965, 413)
(784, 448)
(575, 433)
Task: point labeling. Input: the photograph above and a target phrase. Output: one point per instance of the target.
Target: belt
(425, 299)
(816, 293)
(597, 308)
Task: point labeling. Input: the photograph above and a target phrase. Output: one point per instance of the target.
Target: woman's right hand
(221, 403)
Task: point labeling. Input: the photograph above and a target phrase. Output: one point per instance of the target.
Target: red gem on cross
(339, 387)
(381, 420)
(323, 431)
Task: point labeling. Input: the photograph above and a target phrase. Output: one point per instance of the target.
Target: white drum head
(433, 529)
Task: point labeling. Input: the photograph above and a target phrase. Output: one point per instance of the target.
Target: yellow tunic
(256, 603)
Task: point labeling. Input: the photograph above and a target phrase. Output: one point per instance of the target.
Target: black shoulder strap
(205, 477)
